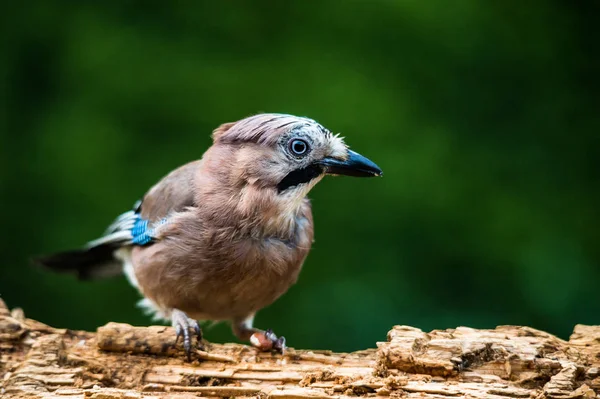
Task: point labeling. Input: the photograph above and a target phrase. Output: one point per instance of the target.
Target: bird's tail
(86, 263)
(97, 259)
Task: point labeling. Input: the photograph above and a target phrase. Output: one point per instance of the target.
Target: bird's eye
(298, 147)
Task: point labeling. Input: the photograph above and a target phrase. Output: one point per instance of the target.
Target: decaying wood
(121, 361)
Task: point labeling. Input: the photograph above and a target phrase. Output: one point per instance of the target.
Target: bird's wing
(140, 226)
(173, 193)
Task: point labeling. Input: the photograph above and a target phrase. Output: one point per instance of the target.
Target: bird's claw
(183, 325)
(198, 331)
(279, 345)
(267, 341)
(187, 341)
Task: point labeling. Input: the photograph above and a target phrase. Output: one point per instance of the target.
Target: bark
(121, 361)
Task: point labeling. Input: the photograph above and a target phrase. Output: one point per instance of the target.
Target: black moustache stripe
(299, 176)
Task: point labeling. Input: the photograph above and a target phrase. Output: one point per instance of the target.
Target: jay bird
(222, 237)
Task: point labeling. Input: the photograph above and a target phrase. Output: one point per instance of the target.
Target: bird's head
(287, 154)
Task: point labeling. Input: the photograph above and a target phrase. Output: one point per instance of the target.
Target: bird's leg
(182, 325)
(263, 340)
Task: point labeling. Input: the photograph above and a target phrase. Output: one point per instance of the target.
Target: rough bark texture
(121, 361)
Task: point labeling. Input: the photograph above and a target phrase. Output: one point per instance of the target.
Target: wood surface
(122, 361)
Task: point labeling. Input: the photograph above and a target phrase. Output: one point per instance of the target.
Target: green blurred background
(484, 117)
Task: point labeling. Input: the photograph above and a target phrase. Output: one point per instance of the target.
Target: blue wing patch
(141, 233)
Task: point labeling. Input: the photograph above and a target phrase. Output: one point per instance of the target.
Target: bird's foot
(267, 341)
(182, 325)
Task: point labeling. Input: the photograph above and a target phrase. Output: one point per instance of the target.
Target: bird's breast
(223, 272)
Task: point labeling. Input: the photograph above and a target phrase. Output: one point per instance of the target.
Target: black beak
(355, 165)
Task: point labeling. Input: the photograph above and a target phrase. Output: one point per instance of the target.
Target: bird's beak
(354, 165)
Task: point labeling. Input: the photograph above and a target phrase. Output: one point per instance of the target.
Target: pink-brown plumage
(222, 237)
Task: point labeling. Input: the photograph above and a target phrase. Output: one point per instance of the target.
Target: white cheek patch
(288, 204)
(292, 198)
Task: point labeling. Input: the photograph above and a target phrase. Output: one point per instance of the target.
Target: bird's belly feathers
(218, 281)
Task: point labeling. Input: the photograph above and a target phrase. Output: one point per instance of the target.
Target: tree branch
(121, 361)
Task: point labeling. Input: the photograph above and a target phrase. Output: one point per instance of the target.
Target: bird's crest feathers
(261, 129)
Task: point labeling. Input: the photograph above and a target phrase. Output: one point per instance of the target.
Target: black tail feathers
(86, 263)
